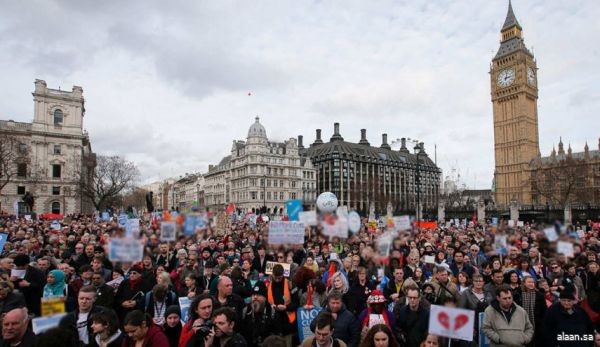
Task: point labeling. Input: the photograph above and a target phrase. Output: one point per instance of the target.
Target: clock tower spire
(513, 78)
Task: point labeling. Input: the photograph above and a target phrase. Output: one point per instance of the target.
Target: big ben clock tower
(514, 92)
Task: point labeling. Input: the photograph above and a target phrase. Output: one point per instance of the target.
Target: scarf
(529, 305)
(58, 287)
(133, 284)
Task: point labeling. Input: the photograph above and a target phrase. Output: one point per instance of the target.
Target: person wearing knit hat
(565, 317)
(375, 313)
(172, 326)
(257, 316)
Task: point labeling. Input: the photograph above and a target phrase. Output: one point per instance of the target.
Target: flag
(230, 209)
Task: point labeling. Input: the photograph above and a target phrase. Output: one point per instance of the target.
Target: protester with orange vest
(284, 299)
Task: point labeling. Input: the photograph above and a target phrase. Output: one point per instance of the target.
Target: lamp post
(418, 183)
(264, 184)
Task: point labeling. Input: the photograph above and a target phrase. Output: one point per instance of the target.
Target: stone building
(56, 154)
(522, 176)
(217, 185)
(360, 174)
(189, 192)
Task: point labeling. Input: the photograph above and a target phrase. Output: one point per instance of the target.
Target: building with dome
(260, 175)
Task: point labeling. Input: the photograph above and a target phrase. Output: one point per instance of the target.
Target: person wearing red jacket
(139, 328)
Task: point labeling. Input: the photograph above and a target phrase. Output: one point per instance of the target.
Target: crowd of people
(530, 294)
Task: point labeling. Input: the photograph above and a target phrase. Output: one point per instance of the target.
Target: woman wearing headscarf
(55, 284)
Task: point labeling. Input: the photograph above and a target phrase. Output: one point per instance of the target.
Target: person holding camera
(221, 332)
(201, 310)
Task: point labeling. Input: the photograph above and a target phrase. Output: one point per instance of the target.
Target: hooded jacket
(507, 329)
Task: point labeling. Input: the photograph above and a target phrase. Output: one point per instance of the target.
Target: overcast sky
(167, 82)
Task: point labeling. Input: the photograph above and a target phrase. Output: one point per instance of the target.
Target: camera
(205, 328)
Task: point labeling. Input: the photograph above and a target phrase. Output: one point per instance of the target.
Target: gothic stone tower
(513, 77)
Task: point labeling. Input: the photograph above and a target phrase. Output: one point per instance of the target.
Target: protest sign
(565, 248)
(429, 259)
(184, 305)
(308, 218)
(455, 323)
(354, 223)
(342, 211)
(105, 216)
(384, 243)
(115, 283)
(511, 223)
(192, 223)
(53, 305)
(402, 223)
(17, 273)
(42, 324)
(168, 231)
(132, 228)
(3, 238)
(55, 225)
(494, 220)
(483, 339)
(27, 217)
(269, 268)
(286, 233)
(375, 319)
(125, 250)
(305, 317)
(293, 207)
(122, 220)
(551, 234)
(520, 224)
(500, 243)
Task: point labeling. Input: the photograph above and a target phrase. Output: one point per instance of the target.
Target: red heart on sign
(444, 320)
(460, 321)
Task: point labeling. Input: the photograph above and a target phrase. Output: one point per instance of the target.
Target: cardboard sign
(42, 324)
(125, 250)
(305, 317)
(286, 233)
(51, 306)
(168, 231)
(565, 248)
(455, 323)
(269, 268)
(184, 306)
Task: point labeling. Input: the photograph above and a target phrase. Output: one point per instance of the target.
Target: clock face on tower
(505, 78)
(530, 76)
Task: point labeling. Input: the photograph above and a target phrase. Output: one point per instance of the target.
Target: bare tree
(14, 157)
(135, 197)
(113, 176)
(562, 182)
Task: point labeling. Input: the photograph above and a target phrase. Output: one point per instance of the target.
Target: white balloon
(327, 202)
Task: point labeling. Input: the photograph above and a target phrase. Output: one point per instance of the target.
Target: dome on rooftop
(257, 130)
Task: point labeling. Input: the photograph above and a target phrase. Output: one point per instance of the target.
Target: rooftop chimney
(300, 145)
(336, 133)
(403, 148)
(384, 143)
(363, 138)
(318, 140)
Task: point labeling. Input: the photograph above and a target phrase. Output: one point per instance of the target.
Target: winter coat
(512, 332)
(154, 338)
(412, 327)
(558, 321)
(70, 322)
(450, 289)
(346, 327)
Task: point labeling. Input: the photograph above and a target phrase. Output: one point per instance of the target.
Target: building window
(253, 195)
(56, 149)
(21, 170)
(268, 195)
(56, 207)
(280, 195)
(55, 190)
(293, 196)
(58, 117)
(22, 148)
(20, 190)
(56, 171)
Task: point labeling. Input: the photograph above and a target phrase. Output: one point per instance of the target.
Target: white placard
(429, 259)
(511, 223)
(551, 234)
(27, 217)
(375, 319)
(342, 211)
(168, 231)
(565, 248)
(286, 233)
(520, 224)
(354, 223)
(455, 323)
(125, 250)
(133, 227)
(308, 217)
(269, 268)
(338, 229)
(17, 273)
(500, 241)
(402, 223)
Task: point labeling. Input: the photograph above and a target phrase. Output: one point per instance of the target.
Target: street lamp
(418, 182)
(264, 184)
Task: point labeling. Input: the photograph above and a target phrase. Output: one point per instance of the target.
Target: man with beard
(258, 317)
(165, 257)
(105, 294)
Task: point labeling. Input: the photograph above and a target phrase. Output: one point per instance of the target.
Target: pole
(265, 193)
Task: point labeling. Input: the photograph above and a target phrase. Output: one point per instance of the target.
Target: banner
(168, 231)
(455, 323)
(125, 250)
(402, 223)
(305, 317)
(308, 218)
(184, 305)
(286, 233)
(427, 225)
(52, 306)
(42, 324)
(269, 268)
(294, 207)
